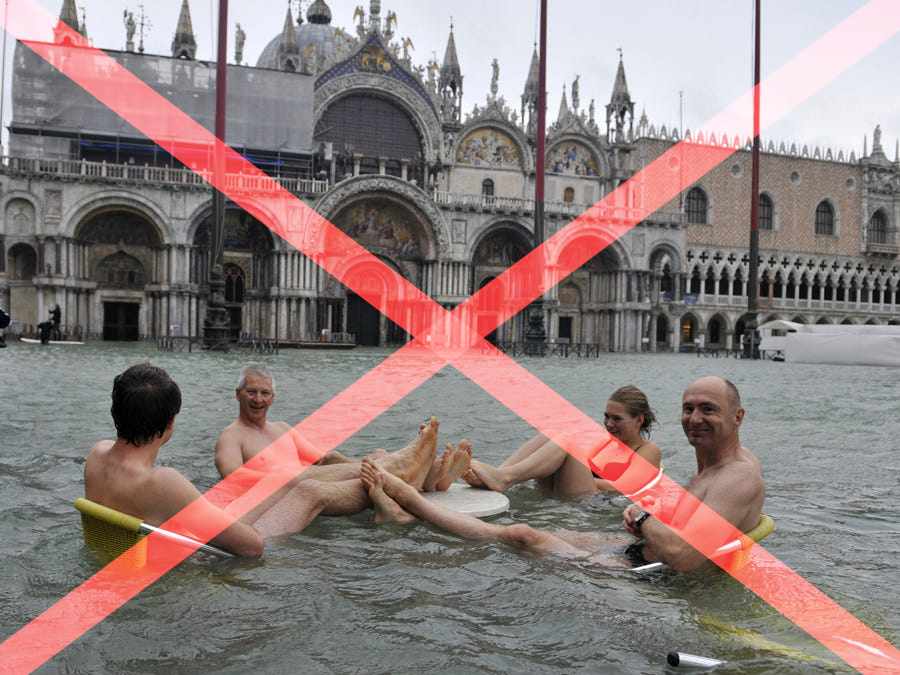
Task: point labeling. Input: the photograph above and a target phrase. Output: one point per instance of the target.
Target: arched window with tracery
(824, 218)
(235, 283)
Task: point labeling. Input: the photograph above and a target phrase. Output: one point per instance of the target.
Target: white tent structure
(824, 343)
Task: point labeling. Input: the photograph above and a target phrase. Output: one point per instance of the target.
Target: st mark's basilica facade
(98, 219)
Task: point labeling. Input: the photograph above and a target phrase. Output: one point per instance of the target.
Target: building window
(487, 187)
(696, 207)
(824, 218)
(878, 228)
(569, 195)
(766, 212)
(234, 284)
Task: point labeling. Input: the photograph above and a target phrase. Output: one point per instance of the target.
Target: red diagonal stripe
(323, 249)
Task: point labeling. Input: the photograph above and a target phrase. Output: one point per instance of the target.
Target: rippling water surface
(348, 597)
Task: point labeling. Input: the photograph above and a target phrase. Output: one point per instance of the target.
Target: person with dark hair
(55, 318)
(627, 416)
(45, 332)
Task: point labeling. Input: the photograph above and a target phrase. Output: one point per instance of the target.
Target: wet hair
(144, 401)
(254, 369)
(635, 402)
(734, 396)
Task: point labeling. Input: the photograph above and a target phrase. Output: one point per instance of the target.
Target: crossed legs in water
(335, 489)
(541, 459)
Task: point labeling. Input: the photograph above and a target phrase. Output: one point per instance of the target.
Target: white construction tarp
(839, 344)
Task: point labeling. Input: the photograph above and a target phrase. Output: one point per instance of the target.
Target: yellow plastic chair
(111, 533)
(738, 550)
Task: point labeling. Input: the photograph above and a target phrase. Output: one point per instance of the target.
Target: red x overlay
(442, 337)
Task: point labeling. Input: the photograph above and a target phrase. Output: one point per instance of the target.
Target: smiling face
(255, 398)
(710, 415)
(621, 424)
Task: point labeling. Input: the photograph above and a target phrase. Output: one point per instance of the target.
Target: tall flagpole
(535, 332)
(751, 343)
(216, 323)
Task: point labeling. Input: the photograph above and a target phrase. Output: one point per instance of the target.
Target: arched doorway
(366, 321)
(501, 247)
(662, 332)
(123, 247)
(688, 332)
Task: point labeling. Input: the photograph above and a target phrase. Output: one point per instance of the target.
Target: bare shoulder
(100, 448)
(232, 431)
(282, 427)
(167, 492)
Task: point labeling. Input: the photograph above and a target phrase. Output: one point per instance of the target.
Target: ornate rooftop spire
(620, 93)
(563, 107)
(620, 109)
(288, 49)
(184, 46)
(530, 95)
(69, 15)
(450, 84)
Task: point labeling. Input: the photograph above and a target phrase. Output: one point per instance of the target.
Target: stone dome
(317, 31)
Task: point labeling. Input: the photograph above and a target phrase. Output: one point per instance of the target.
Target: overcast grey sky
(699, 47)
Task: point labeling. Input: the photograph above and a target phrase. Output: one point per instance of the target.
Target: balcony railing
(83, 170)
(891, 250)
(787, 303)
(75, 169)
(480, 202)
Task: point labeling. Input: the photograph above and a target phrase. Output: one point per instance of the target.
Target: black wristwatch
(639, 520)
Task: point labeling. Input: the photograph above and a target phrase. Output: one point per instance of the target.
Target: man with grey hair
(252, 432)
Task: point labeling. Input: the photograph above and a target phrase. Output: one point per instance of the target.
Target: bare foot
(438, 468)
(413, 462)
(392, 486)
(378, 453)
(386, 509)
(484, 475)
(459, 463)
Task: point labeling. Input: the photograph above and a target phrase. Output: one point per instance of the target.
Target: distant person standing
(4, 322)
(55, 318)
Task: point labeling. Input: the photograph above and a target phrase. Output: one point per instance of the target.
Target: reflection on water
(346, 596)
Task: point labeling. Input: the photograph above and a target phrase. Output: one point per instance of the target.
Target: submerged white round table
(472, 501)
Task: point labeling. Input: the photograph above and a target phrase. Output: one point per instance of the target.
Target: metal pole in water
(682, 660)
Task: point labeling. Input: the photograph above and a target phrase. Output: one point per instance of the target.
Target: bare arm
(733, 495)
(169, 493)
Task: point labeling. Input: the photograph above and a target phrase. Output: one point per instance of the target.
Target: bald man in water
(729, 481)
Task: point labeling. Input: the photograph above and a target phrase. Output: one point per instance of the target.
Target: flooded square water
(346, 596)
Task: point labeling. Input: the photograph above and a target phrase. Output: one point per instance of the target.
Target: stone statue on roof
(130, 28)
(495, 77)
(239, 37)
